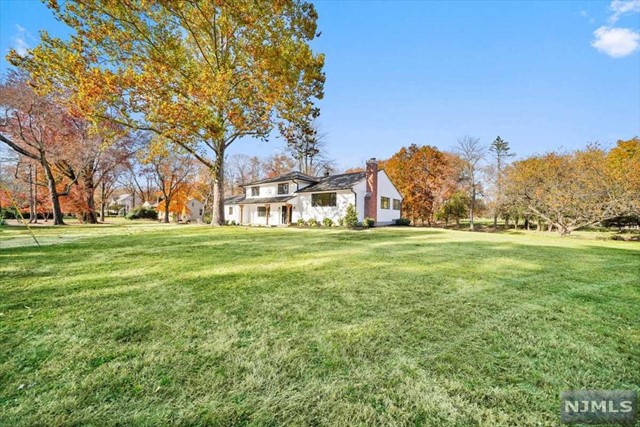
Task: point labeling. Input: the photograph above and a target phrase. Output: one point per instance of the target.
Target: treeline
(54, 161)
(563, 191)
(198, 77)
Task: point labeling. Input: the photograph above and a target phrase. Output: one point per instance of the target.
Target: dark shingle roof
(233, 199)
(286, 177)
(263, 200)
(343, 181)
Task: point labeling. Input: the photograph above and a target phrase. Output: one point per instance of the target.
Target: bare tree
(241, 170)
(472, 153)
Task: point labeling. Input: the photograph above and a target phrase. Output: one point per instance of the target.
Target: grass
(146, 324)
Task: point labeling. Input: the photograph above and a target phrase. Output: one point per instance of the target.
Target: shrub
(313, 222)
(327, 222)
(9, 213)
(341, 221)
(368, 222)
(142, 213)
(301, 222)
(403, 221)
(351, 217)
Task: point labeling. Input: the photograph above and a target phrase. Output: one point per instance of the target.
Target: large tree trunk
(89, 191)
(33, 214)
(167, 202)
(102, 194)
(53, 192)
(218, 190)
(473, 204)
(495, 221)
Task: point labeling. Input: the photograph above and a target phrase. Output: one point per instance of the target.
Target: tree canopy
(199, 73)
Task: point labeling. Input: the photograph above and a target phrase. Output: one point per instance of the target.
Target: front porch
(267, 214)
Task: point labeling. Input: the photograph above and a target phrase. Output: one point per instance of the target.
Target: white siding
(361, 189)
(343, 199)
(387, 189)
(235, 213)
(194, 211)
(271, 189)
(302, 208)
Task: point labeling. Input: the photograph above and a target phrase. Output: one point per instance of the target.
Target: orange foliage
(425, 177)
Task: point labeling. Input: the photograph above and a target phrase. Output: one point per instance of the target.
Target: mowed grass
(190, 325)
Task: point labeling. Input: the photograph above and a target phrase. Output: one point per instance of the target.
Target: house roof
(342, 181)
(241, 200)
(286, 177)
(233, 199)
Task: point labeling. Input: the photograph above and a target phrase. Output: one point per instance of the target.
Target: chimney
(371, 195)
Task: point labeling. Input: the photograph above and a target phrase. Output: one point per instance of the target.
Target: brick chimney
(371, 196)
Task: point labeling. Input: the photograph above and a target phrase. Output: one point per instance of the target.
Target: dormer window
(283, 188)
(255, 191)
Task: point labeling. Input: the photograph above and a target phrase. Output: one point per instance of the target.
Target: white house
(287, 198)
(193, 211)
(123, 203)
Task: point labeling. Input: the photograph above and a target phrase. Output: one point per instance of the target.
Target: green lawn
(146, 324)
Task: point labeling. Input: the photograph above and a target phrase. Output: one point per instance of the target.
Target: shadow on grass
(314, 327)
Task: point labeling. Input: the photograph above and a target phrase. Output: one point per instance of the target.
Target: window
(384, 203)
(200, 214)
(396, 204)
(262, 211)
(230, 210)
(283, 188)
(324, 199)
(255, 191)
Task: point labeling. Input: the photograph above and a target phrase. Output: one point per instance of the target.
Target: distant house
(191, 210)
(149, 205)
(122, 204)
(287, 198)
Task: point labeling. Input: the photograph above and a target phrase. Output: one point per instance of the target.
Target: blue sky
(542, 75)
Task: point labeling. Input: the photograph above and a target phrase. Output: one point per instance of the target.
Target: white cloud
(616, 42)
(19, 40)
(620, 7)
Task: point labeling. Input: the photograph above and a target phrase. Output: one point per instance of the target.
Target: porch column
(241, 220)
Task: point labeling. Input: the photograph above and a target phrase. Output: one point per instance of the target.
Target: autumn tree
(623, 162)
(572, 190)
(472, 153)
(99, 149)
(198, 73)
(277, 164)
(17, 184)
(419, 174)
(171, 172)
(37, 128)
(501, 152)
